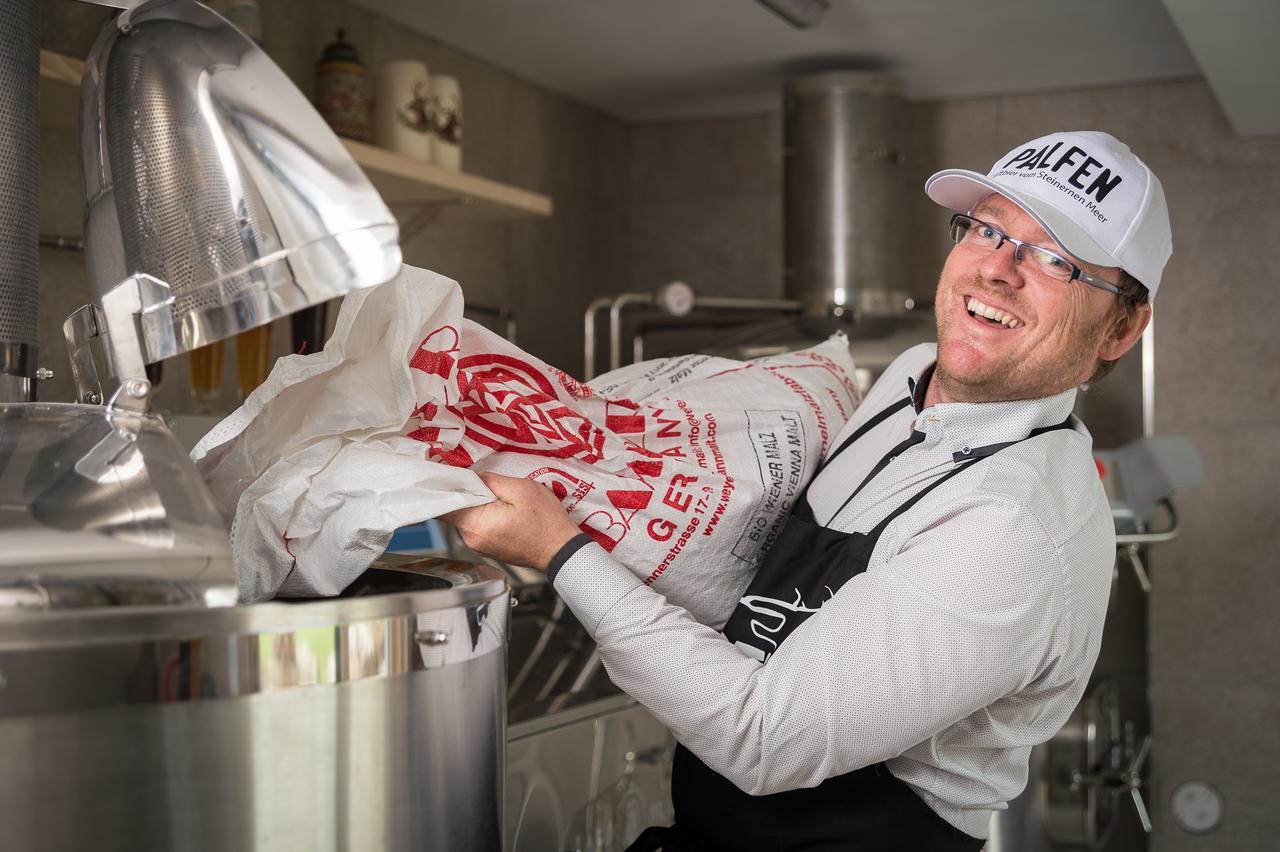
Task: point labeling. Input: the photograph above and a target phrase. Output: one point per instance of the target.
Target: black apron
(867, 809)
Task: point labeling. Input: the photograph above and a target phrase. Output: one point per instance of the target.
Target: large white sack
(683, 467)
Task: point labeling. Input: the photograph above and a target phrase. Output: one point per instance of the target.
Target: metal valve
(1118, 781)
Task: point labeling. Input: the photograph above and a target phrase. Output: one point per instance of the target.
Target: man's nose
(1000, 266)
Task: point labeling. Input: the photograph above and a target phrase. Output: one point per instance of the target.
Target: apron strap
(802, 499)
(864, 429)
(962, 462)
(910, 441)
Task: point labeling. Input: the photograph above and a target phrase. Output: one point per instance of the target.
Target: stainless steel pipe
(618, 304)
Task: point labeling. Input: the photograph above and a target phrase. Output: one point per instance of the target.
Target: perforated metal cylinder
(19, 192)
(178, 215)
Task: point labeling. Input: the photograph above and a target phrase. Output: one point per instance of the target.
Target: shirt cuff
(591, 583)
(570, 547)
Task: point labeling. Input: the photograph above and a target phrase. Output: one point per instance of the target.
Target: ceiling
(651, 60)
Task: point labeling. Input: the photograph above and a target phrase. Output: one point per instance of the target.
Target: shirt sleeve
(964, 613)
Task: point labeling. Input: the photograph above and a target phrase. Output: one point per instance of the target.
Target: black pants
(868, 810)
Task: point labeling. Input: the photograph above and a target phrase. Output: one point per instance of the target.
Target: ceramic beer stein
(446, 139)
(402, 108)
(340, 90)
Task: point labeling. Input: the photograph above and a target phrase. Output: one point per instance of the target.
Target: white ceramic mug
(402, 119)
(446, 141)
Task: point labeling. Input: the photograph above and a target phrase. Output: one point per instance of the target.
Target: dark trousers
(867, 810)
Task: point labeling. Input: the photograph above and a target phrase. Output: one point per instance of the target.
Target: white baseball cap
(1086, 189)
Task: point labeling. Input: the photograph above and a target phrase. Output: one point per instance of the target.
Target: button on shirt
(968, 639)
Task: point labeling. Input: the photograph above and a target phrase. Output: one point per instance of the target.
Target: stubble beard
(1012, 378)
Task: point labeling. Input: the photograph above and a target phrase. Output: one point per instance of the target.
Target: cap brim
(961, 190)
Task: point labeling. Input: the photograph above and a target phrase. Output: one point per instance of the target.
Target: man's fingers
(493, 481)
(458, 517)
(508, 489)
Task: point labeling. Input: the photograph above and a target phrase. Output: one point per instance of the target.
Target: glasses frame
(1077, 274)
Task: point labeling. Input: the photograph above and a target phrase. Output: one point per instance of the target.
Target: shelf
(438, 193)
(404, 180)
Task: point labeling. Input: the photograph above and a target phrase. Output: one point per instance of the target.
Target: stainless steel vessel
(370, 722)
(99, 506)
(844, 193)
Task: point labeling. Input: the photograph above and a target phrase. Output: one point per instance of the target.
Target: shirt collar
(972, 430)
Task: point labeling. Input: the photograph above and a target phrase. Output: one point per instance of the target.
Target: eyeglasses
(978, 235)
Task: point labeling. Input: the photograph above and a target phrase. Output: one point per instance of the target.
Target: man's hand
(525, 525)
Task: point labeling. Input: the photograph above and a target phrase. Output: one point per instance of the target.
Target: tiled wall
(705, 206)
(545, 270)
(1214, 661)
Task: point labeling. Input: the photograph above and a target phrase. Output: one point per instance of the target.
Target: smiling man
(935, 603)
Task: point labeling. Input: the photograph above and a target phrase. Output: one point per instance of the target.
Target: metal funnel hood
(217, 197)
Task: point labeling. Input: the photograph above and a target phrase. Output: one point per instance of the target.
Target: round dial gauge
(676, 298)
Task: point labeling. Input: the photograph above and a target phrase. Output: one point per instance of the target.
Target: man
(944, 620)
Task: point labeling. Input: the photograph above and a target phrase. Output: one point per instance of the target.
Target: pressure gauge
(676, 298)
(1197, 807)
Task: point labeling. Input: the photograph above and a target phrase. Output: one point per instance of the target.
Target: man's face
(1061, 330)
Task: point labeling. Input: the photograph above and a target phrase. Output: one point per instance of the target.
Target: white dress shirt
(968, 639)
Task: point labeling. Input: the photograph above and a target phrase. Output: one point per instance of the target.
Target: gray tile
(1215, 586)
(1121, 111)
(721, 158)
(61, 188)
(474, 254)
(968, 133)
(1228, 736)
(1217, 351)
(1188, 127)
(538, 151)
(70, 28)
(722, 247)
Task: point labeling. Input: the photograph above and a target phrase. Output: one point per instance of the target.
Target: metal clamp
(80, 329)
(117, 325)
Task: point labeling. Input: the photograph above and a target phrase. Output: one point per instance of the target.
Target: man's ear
(1124, 333)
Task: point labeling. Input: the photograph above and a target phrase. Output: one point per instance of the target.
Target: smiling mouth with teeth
(994, 316)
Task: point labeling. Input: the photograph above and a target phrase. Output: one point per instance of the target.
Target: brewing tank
(844, 192)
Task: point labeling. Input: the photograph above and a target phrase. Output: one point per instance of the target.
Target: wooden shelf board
(401, 180)
(404, 180)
